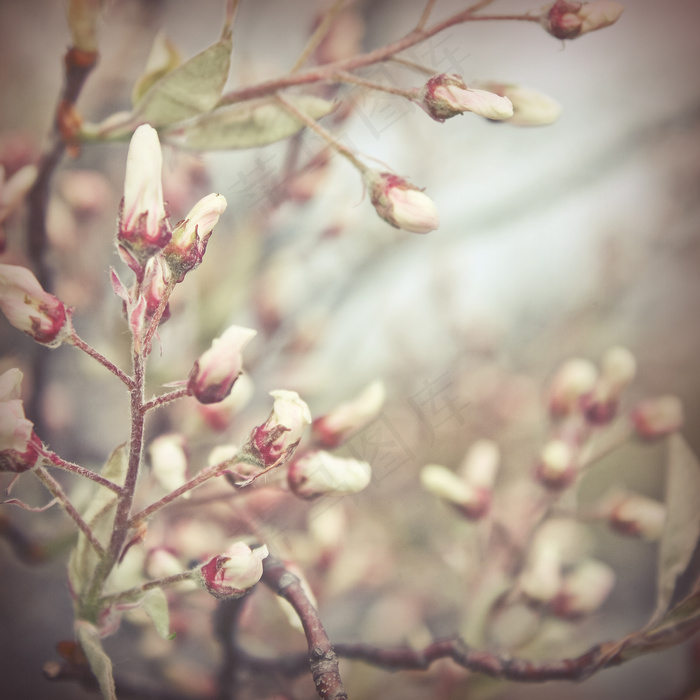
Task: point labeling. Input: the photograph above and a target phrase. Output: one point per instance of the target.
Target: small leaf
(163, 59)
(98, 516)
(100, 663)
(247, 125)
(682, 529)
(155, 605)
(188, 90)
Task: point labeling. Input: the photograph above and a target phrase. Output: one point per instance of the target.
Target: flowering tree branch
(321, 658)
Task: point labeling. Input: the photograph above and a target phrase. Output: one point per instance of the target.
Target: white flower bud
(658, 417)
(541, 579)
(480, 465)
(169, 461)
(336, 426)
(231, 574)
(567, 19)
(213, 375)
(585, 588)
(472, 501)
(322, 474)
(530, 107)
(574, 379)
(638, 516)
(556, 468)
(446, 96)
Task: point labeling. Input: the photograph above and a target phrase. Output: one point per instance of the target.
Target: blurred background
(554, 242)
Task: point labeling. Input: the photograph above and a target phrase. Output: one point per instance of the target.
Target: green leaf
(163, 59)
(155, 604)
(99, 516)
(100, 663)
(682, 529)
(246, 125)
(188, 90)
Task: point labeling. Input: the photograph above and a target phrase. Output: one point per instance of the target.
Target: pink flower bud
(274, 442)
(575, 379)
(321, 474)
(154, 288)
(144, 228)
(169, 460)
(231, 574)
(530, 107)
(18, 444)
(214, 373)
(637, 516)
(656, 418)
(566, 19)
(446, 96)
(584, 590)
(401, 204)
(334, 428)
(189, 241)
(471, 501)
(557, 466)
(32, 310)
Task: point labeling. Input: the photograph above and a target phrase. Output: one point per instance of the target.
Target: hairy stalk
(57, 461)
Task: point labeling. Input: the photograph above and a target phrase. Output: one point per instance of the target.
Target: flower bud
(322, 474)
(169, 460)
(637, 516)
(336, 426)
(32, 310)
(446, 96)
(154, 287)
(189, 241)
(274, 442)
(574, 380)
(541, 580)
(471, 501)
(231, 574)
(144, 228)
(401, 204)
(618, 369)
(566, 19)
(556, 468)
(480, 465)
(584, 590)
(658, 417)
(18, 443)
(214, 373)
(530, 107)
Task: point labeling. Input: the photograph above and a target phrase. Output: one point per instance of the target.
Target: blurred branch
(320, 658)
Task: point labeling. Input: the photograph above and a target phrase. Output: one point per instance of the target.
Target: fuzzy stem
(344, 77)
(57, 492)
(136, 592)
(318, 36)
(89, 350)
(57, 461)
(164, 399)
(426, 14)
(321, 657)
(153, 327)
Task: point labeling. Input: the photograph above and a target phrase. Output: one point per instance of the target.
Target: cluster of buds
(274, 442)
(234, 572)
(29, 308)
(19, 446)
(216, 371)
(568, 19)
(335, 427)
(447, 95)
(400, 203)
(471, 491)
(319, 473)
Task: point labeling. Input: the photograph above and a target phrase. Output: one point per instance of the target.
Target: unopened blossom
(557, 466)
(618, 369)
(567, 19)
(214, 373)
(274, 442)
(169, 460)
(18, 443)
(470, 500)
(144, 228)
(154, 288)
(400, 203)
(232, 573)
(189, 241)
(584, 589)
(638, 516)
(320, 473)
(542, 578)
(655, 418)
(218, 416)
(574, 380)
(446, 95)
(480, 464)
(530, 107)
(336, 426)
(32, 310)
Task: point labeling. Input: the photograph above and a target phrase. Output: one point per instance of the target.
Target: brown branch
(321, 658)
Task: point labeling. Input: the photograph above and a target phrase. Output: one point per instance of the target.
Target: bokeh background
(554, 242)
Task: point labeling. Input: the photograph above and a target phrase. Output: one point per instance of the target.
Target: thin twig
(57, 461)
(426, 14)
(56, 491)
(164, 399)
(318, 36)
(136, 592)
(89, 350)
(321, 657)
(352, 79)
